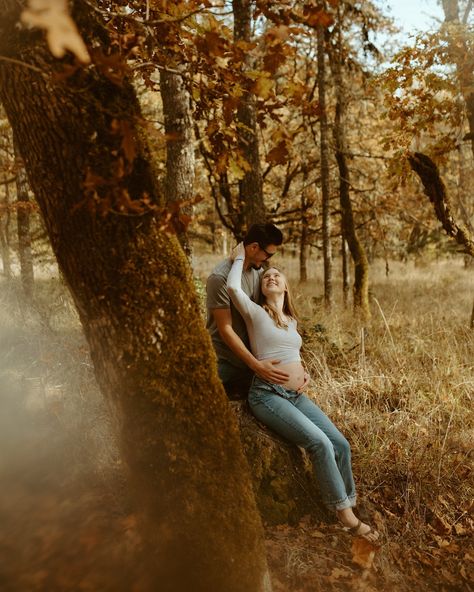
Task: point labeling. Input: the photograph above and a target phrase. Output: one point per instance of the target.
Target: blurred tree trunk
(251, 186)
(325, 190)
(91, 175)
(5, 234)
(23, 227)
(361, 265)
(179, 182)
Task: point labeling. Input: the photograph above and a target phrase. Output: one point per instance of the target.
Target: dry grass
(401, 391)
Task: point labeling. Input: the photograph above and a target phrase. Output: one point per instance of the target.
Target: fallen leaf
(363, 552)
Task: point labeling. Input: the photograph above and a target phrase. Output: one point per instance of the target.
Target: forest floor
(401, 392)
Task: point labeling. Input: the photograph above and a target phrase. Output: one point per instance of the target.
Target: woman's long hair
(288, 306)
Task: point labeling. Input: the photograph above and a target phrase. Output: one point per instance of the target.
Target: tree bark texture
(133, 289)
(325, 188)
(304, 229)
(23, 227)
(179, 182)
(345, 269)
(5, 234)
(361, 264)
(251, 186)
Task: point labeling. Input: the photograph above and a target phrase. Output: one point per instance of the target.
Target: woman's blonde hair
(288, 306)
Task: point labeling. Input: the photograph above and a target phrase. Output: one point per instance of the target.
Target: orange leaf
(363, 552)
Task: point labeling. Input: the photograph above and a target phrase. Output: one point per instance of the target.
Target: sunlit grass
(401, 389)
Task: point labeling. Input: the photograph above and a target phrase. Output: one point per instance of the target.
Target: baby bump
(296, 374)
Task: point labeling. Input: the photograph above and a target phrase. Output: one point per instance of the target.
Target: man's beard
(258, 266)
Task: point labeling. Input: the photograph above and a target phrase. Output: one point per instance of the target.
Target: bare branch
(435, 189)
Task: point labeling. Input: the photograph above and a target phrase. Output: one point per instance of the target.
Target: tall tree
(361, 265)
(325, 188)
(250, 186)
(179, 182)
(84, 151)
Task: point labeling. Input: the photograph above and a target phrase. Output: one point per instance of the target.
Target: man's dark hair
(264, 235)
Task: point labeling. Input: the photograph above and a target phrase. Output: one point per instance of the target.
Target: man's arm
(265, 369)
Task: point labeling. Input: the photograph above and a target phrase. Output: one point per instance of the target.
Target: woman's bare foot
(355, 526)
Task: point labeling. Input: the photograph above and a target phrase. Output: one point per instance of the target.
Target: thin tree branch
(20, 63)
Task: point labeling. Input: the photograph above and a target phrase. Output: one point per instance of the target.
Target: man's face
(257, 254)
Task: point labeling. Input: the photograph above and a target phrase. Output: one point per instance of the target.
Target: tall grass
(400, 389)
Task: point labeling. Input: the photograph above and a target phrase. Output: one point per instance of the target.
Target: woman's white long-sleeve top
(267, 340)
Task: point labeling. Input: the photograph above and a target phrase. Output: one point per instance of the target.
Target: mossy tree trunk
(133, 289)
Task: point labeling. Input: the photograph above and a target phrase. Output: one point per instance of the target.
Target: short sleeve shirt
(217, 297)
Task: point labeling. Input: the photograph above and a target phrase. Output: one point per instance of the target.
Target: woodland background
(157, 122)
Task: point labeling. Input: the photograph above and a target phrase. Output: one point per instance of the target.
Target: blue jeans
(299, 420)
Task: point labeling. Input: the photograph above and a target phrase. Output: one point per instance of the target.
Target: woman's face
(273, 282)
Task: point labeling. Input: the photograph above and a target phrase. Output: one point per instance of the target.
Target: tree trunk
(345, 269)
(326, 197)
(361, 265)
(179, 183)
(462, 57)
(4, 235)
(251, 186)
(133, 289)
(304, 229)
(23, 226)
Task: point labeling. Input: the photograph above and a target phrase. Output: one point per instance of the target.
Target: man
(236, 364)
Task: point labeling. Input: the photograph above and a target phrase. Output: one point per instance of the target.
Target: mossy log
(283, 479)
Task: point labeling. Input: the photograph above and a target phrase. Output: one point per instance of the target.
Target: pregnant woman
(284, 408)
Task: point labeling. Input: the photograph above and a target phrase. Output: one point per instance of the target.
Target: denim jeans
(236, 380)
(296, 418)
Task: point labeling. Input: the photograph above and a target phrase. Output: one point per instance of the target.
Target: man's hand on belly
(267, 370)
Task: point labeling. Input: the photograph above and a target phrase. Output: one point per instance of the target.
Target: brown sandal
(354, 532)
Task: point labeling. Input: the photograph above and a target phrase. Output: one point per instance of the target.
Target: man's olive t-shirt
(217, 297)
